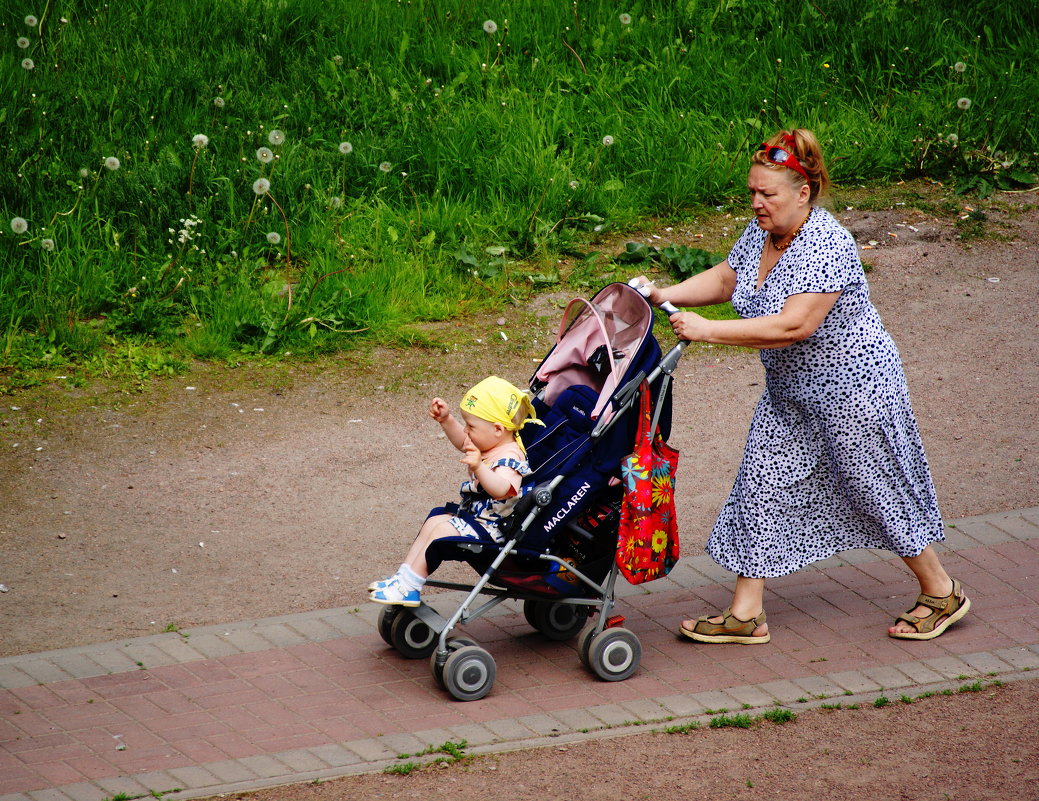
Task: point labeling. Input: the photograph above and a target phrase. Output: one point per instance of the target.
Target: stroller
(559, 557)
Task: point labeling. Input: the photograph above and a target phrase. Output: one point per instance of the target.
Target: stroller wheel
(469, 673)
(557, 621)
(614, 654)
(386, 617)
(412, 638)
(453, 645)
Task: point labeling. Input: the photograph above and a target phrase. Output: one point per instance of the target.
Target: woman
(833, 459)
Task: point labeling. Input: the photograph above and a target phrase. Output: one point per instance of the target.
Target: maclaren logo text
(565, 510)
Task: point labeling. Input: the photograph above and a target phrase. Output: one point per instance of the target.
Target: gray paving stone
(611, 714)
(113, 660)
(473, 734)
(77, 664)
(347, 624)
(854, 681)
(83, 791)
(213, 646)
(578, 720)
(12, 676)
(369, 750)
(281, 636)
(193, 778)
(266, 766)
(37, 795)
(681, 706)
(951, 667)
(43, 671)
(507, 730)
(180, 650)
(819, 687)
(542, 724)
(920, 673)
(403, 743)
(753, 696)
(231, 770)
(247, 641)
(148, 654)
(1020, 657)
(888, 677)
(982, 532)
(786, 692)
(157, 781)
(432, 737)
(645, 710)
(1016, 526)
(986, 663)
(714, 700)
(303, 760)
(122, 785)
(314, 630)
(336, 755)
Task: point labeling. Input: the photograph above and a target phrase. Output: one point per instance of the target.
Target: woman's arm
(800, 317)
(714, 285)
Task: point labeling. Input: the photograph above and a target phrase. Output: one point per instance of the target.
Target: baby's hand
(472, 456)
(439, 410)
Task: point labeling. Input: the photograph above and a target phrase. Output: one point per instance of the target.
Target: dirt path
(221, 496)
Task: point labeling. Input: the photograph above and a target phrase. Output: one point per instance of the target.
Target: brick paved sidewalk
(318, 695)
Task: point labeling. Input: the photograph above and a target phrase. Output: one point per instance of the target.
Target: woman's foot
(931, 616)
(727, 628)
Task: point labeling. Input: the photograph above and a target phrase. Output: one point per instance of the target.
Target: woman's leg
(747, 604)
(933, 581)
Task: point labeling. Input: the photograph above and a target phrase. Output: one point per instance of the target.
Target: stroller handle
(667, 306)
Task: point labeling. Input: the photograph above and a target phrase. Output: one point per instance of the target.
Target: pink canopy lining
(620, 319)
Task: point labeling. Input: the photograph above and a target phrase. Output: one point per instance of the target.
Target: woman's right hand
(648, 289)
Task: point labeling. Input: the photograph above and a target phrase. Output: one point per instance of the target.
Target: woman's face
(779, 204)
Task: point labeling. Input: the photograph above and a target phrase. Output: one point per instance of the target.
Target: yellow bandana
(497, 401)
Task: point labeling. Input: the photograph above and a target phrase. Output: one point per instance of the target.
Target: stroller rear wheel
(469, 673)
(412, 638)
(557, 621)
(612, 654)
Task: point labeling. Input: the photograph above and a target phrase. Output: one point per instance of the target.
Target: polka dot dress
(833, 459)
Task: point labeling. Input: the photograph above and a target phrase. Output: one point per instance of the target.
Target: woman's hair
(808, 153)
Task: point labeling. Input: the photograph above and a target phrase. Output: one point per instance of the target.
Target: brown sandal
(944, 612)
(730, 630)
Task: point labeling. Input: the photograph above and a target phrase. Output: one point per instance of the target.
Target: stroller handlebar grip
(643, 289)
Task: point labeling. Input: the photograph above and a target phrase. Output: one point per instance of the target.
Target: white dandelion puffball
(23, 42)
(337, 60)
(274, 237)
(607, 140)
(19, 225)
(959, 66)
(952, 139)
(574, 184)
(47, 244)
(346, 148)
(112, 163)
(276, 137)
(490, 27)
(336, 202)
(963, 103)
(84, 172)
(261, 186)
(218, 102)
(625, 19)
(200, 140)
(31, 21)
(28, 64)
(265, 155)
(385, 166)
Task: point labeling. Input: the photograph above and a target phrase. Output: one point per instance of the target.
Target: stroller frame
(606, 648)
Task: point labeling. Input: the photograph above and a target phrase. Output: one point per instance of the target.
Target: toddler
(493, 412)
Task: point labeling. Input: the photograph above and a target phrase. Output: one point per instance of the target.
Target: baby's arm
(499, 483)
(454, 430)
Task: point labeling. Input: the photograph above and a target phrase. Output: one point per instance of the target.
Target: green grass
(475, 159)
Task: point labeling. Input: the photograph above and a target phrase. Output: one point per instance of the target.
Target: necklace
(781, 248)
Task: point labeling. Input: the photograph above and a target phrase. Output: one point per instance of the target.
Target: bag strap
(665, 383)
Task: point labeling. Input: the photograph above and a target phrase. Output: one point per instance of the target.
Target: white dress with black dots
(833, 459)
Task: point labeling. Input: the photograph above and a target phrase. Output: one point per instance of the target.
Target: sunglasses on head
(782, 157)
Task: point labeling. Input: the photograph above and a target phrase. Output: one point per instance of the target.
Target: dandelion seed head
(490, 27)
(84, 172)
(963, 103)
(607, 140)
(385, 166)
(346, 148)
(31, 21)
(19, 225)
(337, 60)
(265, 155)
(28, 64)
(111, 164)
(274, 237)
(336, 202)
(276, 137)
(574, 184)
(47, 244)
(200, 140)
(261, 186)
(23, 42)
(959, 66)
(218, 102)
(625, 19)
(952, 139)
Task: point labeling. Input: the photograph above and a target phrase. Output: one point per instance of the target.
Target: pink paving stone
(118, 685)
(140, 707)
(563, 698)
(93, 767)
(323, 704)
(234, 745)
(212, 670)
(216, 688)
(638, 686)
(173, 702)
(189, 724)
(310, 681)
(281, 741)
(149, 760)
(355, 727)
(199, 752)
(177, 677)
(262, 663)
(85, 716)
(375, 697)
(38, 697)
(246, 695)
(53, 774)
(515, 677)
(73, 692)
(496, 706)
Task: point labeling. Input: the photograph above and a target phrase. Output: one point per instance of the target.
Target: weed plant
(205, 179)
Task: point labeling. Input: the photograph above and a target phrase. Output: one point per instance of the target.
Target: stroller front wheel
(557, 621)
(469, 673)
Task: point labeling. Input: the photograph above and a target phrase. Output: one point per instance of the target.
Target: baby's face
(484, 434)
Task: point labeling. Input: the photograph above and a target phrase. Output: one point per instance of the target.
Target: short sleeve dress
(833, 460)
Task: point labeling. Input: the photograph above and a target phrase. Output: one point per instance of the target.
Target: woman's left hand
(690, 326)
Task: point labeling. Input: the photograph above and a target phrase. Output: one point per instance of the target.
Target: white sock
(409, 579)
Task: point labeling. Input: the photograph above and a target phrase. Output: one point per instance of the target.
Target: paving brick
(950, 667)
(43, 671)
(265, 766)
(577, 720)
(336, 755)
(819, 687)
(78, 665)
(50, 794)
(887, 677)
(281, 636)
(193, 778)
(213, 646)
(302, 760)
(82, 791)
(231, 770)
(12, 676)
(1021, 658)
(784, 691)
(854, 681)
(986, 663)
(369, 750)
(179, 650)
